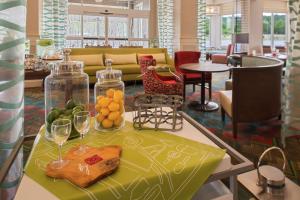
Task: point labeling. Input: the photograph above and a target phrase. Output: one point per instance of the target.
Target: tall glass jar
(109, 99)
(66, 92)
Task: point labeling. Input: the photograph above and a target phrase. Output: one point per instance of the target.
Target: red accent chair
(184, 57)
(156, 84)
(222, 58)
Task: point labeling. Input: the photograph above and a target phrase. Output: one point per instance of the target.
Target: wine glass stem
(81, 141)
(59, 154)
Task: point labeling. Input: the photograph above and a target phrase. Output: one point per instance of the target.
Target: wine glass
(82, 125)
(60, 129)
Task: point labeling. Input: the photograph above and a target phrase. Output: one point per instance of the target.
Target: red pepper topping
(93, 160)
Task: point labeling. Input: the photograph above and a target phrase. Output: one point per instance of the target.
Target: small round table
(203, 68)
(279, 56)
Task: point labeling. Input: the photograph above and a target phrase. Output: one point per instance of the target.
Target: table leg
(206, 106)
(202, 88)
(234, 187)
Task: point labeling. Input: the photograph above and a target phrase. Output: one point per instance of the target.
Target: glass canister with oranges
(109, 100)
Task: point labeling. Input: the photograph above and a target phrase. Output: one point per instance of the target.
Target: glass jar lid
(109, 74)
(66, 66)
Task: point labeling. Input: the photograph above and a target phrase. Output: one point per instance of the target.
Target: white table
(29, 189)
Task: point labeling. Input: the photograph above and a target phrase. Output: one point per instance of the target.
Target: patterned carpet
(252, 139)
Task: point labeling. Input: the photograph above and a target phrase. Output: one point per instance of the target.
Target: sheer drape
(165, 24)
(291, 107)
(12, 47)
(55, 21)
(201, 28)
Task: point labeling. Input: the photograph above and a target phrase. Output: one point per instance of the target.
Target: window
(139, 28)
(118, 27)
(267, 32)
(279, 36)
(237, 23)
(74, 43)
(74, 25)
(226, 30)
(207, 31)
(94, 29)
(90, 26)
(274, 29)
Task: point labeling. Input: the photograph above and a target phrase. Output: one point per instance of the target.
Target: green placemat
(154, 165)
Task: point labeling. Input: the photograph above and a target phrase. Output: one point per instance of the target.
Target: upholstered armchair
(155, 84)
(222, 58)
(256, 92)
(266, 49)
(184, 57)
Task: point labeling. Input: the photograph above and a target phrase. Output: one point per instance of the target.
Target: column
(153, 20)
(255, 25)
(33, 23)
(185, 25)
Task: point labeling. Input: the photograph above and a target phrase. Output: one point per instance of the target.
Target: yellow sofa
(124, 59)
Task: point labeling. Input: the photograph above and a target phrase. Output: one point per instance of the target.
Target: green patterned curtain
(55, 21)
(165, 17)
(12, 47)
(201, 27)
(291, 109)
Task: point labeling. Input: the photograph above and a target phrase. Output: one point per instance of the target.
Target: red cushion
(170, 82)
(184, 57)
(192, 76)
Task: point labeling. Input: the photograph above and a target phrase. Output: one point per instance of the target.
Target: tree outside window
(274, 29)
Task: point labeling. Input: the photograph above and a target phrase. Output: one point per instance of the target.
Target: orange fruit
(118, 121)
(97, 108)
(121, 103)
(99, 97)
(100, 118)
(110, 93)
(104, 102)
(104, 111)
(118, 96)
(106, 123)
(113, 115)
(113, 106)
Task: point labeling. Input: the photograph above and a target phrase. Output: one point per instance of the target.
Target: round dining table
(203, 68)
(279, 56)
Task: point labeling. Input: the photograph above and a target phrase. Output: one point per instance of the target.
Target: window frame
(232, 29)
(272, 27)
(120, 13)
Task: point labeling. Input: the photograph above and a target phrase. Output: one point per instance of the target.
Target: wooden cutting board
(87, 168)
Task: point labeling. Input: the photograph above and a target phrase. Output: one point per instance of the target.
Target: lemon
(118, 121)
(104, 111)
(106, 123)
(113, 106)
(118, 96)
(114, 115)
(121, 103)
(100, 118)
(104, 102)
(110, 93)
(99, 97)
(97, 107)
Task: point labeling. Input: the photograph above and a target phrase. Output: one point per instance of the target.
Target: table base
(208, 106)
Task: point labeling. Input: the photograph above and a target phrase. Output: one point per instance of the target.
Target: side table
(249, 179)
(36, 75)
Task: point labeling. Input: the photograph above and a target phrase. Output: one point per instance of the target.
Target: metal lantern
(158, 112)
(271, 179)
